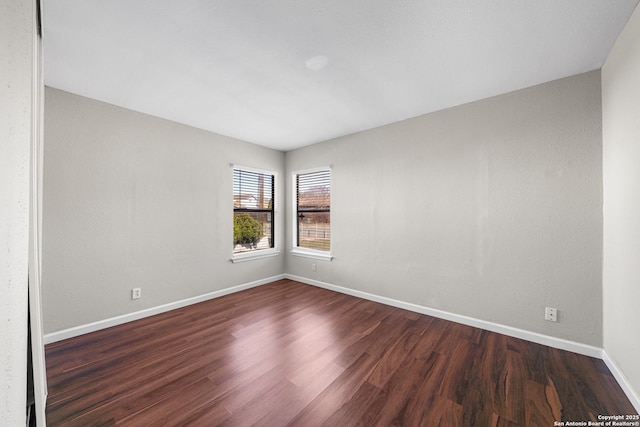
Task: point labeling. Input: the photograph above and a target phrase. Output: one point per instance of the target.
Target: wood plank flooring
(289, 354)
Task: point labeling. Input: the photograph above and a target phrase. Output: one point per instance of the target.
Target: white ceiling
(288, 73)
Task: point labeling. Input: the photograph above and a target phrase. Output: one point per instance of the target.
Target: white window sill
(309, 253)
(250, 256)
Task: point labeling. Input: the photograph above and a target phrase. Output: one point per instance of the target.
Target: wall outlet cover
(551, 314)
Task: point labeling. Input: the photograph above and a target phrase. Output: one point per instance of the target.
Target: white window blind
(313, 210)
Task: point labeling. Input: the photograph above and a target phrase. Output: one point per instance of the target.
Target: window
(313, 213)
(253, 212)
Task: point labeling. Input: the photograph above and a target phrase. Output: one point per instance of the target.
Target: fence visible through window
(313, 210)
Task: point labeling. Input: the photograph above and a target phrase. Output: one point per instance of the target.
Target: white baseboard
(622, 380)
(125, 318)
(559, 343)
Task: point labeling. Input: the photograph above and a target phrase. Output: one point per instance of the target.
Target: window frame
(257, 253)
(302, 251)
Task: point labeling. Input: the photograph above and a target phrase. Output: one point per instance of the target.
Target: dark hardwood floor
(292, 354)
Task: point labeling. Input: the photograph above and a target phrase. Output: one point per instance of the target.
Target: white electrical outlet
(551, 314)
(136, 293)
(313, 267)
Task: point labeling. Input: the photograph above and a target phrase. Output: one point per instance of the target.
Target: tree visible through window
(313, 210)
(253, 210)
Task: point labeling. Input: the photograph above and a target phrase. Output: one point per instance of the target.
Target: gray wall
(16, 111)
(621, 160)
(132, 200)
(491, 210)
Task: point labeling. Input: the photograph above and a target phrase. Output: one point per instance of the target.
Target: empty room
(286, 213)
